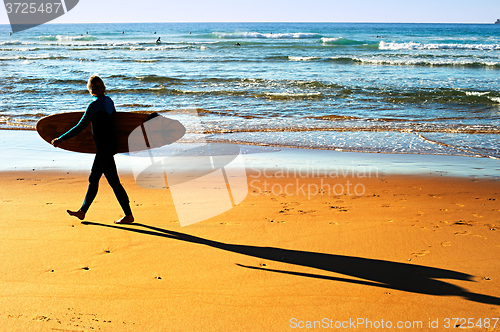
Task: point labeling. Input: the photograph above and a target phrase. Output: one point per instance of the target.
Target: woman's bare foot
(79, 214)
(125, 220)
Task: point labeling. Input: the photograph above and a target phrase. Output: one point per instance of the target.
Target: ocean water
(393, 88)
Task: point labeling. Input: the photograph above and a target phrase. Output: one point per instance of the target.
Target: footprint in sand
(420, 253)
(42, 318)
(468, 233)
(304, 212)
(464, 223)
(339, 208)
(446, 244)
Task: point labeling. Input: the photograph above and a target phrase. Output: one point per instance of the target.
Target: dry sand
(410, 249)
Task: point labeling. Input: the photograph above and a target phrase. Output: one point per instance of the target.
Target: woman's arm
(82, 124)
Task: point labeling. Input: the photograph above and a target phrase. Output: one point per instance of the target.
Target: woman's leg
(94, 177)
(108, 167)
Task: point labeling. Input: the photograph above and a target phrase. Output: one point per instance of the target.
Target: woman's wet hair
(96, 86)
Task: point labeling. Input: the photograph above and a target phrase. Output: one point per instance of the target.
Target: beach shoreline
(25, 150)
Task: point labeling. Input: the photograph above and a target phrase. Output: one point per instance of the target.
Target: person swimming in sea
(158, 41)
(100, 113)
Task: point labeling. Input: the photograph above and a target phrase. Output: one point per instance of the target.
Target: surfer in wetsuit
(100, 113)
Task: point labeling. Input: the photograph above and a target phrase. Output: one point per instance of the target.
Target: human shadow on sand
(373, 272)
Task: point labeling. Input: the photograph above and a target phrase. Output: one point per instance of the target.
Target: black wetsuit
(100, 113)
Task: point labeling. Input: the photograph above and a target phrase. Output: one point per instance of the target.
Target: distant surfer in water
(100, 113)
(158, 41)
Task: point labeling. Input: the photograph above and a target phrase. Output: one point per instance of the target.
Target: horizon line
(246, 22)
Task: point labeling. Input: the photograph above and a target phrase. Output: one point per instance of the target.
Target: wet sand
(408, 250)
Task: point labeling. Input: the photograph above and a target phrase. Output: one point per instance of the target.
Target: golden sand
(409, 250)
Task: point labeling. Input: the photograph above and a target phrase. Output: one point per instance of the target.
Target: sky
(404, 11)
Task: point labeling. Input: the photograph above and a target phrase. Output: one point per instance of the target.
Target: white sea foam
(98, 44)
(425, 62)
(199, 42)
(29, 49)
(495, 99)
(160, 48)
(303, 58)
(419, 46)
(131, 45)
(474, 93)
(295, 35)
(292, 95)
(14, 42)
(340, 41)
(68, 38)
(146, 60)
(330, 40)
